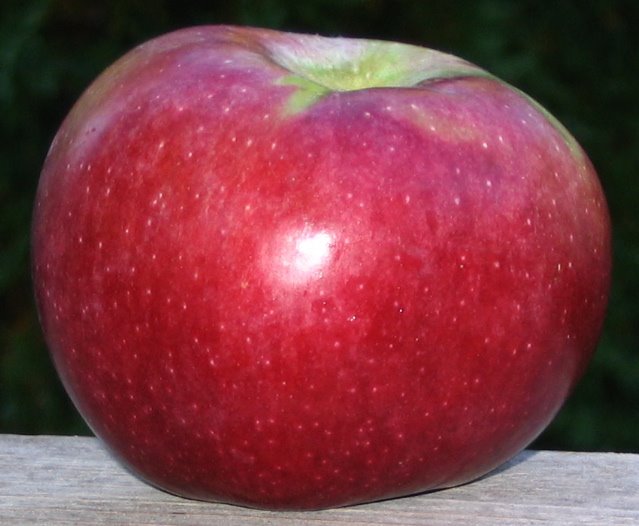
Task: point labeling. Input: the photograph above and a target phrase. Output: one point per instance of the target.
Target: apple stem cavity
(320, 65)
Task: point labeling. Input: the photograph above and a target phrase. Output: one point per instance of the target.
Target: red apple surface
(296, 272)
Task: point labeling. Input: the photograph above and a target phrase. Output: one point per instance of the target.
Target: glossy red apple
(294, 272)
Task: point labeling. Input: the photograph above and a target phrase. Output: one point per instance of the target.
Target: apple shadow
(522, 457)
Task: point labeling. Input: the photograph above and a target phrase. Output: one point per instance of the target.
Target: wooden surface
(72, 480)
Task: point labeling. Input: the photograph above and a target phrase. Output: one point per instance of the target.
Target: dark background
(578, 58)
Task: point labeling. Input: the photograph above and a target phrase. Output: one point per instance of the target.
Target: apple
(295, 272)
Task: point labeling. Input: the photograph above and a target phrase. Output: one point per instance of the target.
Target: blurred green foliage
(578, 58)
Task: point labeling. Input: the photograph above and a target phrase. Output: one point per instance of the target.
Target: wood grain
(72, 480)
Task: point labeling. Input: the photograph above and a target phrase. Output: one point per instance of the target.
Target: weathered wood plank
(72, 480)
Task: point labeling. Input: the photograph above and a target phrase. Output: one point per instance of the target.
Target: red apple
(295, 272)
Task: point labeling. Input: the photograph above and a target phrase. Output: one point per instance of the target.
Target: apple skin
(262, 290)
